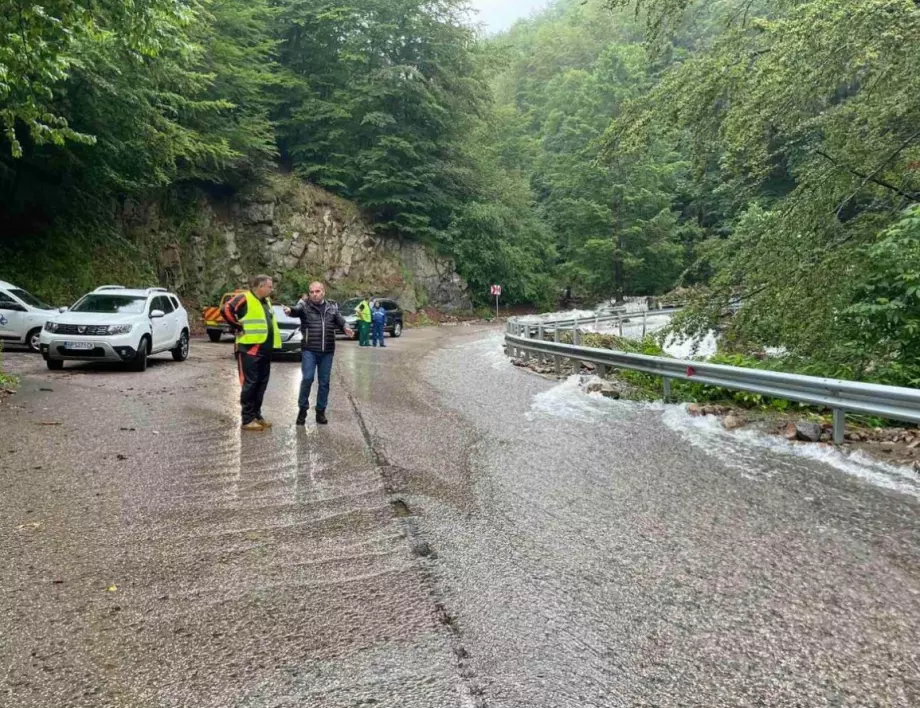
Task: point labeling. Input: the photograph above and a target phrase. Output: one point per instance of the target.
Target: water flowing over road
(463, 533)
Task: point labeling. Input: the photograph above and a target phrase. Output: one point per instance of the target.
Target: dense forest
(746, 151)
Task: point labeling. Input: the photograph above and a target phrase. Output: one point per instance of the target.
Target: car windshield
(112, 304)
(30, 299)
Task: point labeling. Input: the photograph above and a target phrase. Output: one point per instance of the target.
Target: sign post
(496, 291)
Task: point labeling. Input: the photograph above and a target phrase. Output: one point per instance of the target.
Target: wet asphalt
(455, 537)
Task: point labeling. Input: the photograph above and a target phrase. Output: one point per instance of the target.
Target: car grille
(88, 330)
(288, 325)
(81, 353)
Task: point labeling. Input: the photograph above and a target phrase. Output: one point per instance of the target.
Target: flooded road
(463, 533)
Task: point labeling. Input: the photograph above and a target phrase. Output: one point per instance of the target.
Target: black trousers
(254, 372)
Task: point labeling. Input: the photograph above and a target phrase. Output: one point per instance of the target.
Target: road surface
(463, 533)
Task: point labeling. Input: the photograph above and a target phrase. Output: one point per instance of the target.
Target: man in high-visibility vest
(257, 334)
(363, 312)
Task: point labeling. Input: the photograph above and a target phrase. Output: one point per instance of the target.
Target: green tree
(805, 114)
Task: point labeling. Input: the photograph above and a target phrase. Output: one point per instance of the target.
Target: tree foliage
(767, 152)
(617, 224)
(805, 116)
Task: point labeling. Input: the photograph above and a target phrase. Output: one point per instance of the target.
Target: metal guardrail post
(667, 388)
(525, 355)
(576, 366)
(840, 421)
(557, 360)
(644, 318)
(542, 357)
(620, 325)
(602, 371)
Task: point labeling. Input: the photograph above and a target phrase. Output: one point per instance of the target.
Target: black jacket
(318, 324)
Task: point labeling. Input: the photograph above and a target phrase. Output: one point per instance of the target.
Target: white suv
(113, 323)
(22, 316)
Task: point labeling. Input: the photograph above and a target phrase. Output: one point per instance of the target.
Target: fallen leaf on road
(131, 429)
(46, 389)
(50, 422)
(112, 588)
(30, 525)
(122, 457)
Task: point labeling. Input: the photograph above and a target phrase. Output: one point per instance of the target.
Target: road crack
(471, 689)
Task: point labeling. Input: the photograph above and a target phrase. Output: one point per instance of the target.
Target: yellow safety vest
(255, 327)
(364, 311)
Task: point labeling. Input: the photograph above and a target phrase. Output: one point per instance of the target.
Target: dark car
(291, 336)
(394, 323)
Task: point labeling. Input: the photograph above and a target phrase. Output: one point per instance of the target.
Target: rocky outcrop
(204, 243)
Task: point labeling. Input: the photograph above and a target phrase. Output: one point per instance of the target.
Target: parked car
(117, 324)
(22, 316)
(291, 336)
(394, 322)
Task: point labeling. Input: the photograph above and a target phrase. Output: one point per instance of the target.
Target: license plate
(78, 345)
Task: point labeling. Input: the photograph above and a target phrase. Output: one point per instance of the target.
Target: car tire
(214, 335)
(397, 329)
(180, 352)
(139, 363)
(55, 364)
(32, 340)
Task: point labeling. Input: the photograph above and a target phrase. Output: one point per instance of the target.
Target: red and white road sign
(496, 290)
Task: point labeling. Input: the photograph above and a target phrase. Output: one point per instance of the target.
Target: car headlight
(120, 329)
(51, 326)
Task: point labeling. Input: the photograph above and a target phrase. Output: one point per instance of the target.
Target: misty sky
(498, 15)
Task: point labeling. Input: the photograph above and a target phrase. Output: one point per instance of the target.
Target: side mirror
(63, 309)
(157, 314)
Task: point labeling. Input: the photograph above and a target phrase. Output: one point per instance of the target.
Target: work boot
(302, 416)
(264, 423)
(321, 417)
(252, 425)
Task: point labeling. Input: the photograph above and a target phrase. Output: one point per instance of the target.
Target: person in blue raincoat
(378, 320)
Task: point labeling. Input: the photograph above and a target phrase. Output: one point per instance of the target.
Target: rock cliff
(204, 243)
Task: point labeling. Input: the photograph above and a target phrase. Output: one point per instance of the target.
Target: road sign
(496, 290)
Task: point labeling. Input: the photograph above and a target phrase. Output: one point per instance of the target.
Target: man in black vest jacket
(319, 321)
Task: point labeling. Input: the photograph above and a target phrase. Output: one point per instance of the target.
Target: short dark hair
(259, 280)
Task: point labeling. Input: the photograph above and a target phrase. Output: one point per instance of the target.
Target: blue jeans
(310, 363)
(377, 333)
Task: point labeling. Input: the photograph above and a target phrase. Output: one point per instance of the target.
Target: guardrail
(619, 317)
(524, 339)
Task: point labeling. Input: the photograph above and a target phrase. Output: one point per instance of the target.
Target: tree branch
(873, 176)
